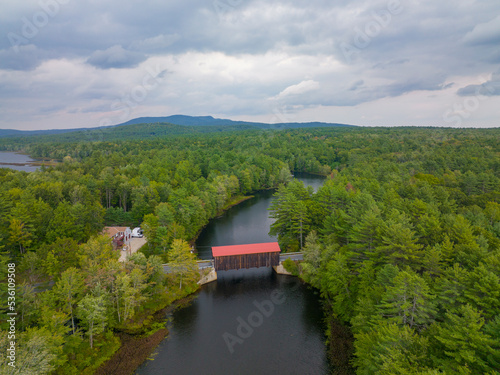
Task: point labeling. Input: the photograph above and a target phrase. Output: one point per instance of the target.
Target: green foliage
(402, 240)
(408, 301)
(116, 216)
(92, 312)
(19, 235)
(96, 251)
(57, 257)
(391, 349)
(312, 258)
(404, 247)
(291, 209)
(462, 344)
(67, 292)
(35, 354)
(291, 267)
(182, 262)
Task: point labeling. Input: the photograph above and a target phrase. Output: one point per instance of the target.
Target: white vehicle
(137, 232)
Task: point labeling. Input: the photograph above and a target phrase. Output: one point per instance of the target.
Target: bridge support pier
(210, 277)
(280, 270)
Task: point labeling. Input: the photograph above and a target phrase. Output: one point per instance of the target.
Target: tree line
(72, 292)
(404, 208)
(404, 244)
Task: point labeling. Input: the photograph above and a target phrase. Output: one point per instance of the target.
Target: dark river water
(249, 222)
(248, 321)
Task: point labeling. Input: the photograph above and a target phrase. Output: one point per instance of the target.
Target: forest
(402, 241)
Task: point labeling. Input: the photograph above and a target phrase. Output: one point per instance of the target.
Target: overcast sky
(85, 63)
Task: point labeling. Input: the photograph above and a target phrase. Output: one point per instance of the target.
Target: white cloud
(300, 88)
(256, 59)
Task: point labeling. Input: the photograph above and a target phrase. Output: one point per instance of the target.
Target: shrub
(291, 267)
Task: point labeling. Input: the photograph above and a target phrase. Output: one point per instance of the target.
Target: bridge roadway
(292, 256)
(202, 264)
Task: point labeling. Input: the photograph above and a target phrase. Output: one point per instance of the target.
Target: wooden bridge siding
(236, 262)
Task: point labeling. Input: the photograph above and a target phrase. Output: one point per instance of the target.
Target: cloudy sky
(86, 63)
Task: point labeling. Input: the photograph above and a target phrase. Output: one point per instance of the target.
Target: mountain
(211, 121)
(182, 120)
(148, 127)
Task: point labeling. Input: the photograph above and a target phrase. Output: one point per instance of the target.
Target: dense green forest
(51, 221)
(402, 240)
(404, 244)
(144, 128)
(132, 132)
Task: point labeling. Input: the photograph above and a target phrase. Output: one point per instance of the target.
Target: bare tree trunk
(72, 318)
(301, 234)
(91, 326)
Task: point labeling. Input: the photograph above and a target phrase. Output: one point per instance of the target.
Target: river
(248, 222)
(248, 321)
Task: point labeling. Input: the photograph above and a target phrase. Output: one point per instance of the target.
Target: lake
(22, 162)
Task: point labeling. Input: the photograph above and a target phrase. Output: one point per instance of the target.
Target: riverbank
(232, 203)
(340, 346)
(135, 349)
(340, 340)
(144, 345)
(23, 162)
(136, 345)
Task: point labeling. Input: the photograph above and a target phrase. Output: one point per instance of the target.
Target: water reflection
(248, 321)
(11, 157)
(287, 340)
(248, 222)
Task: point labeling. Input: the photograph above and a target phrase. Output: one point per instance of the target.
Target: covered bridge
(236, 257)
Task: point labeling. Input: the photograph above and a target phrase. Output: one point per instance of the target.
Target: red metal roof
(256, 248)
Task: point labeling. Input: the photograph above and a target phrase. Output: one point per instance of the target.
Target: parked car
(137, 232)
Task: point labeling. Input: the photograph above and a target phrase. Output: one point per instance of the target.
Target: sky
(89, 63)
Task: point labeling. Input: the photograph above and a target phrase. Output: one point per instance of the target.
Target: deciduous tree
(182, 262)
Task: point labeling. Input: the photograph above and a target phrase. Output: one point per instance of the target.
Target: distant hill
(211, 121)
(147, 127)
(22, 133)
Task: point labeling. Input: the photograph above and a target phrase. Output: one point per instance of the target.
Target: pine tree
(312, 257)
(408, 301)
(391, 349)
(461, 343)
(398, 243)
(300, 222)
(450, 289)
(340, 285)
(364, 236)
(483, 291)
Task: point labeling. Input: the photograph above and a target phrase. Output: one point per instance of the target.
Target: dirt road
(135, 244)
